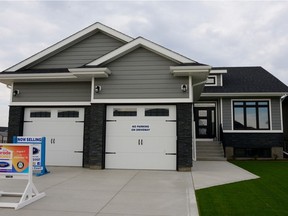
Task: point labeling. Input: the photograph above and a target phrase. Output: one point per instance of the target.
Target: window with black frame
(251, 115)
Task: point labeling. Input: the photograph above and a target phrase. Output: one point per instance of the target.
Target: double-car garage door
(137, 137)
(141, 137)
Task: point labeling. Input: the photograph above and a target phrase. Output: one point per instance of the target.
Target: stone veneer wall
(15, 125)
(184, 137)
(95, 136)
(274, 141)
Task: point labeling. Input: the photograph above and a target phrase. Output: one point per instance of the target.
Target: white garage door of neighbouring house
(63, 129)
(141, 137)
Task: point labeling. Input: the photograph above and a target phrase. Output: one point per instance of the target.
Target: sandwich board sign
(39, 152)
(16, 163)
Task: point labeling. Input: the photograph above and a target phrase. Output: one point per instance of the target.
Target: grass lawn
(265, 196)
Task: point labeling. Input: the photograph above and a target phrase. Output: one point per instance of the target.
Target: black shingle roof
(247, 79)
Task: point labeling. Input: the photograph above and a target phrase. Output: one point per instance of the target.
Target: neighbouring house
(105, 100)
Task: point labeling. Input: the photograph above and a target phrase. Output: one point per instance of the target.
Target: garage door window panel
(40, 114)
(125, 112)
(68, 114)
(157, 112)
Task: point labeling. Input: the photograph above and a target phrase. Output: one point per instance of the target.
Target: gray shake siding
(53, 92)
(141, 74)
(81, 53)
(275, 112)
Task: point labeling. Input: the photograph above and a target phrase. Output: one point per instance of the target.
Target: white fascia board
(68, 40)
(10, 78)
(148, 101)
(191, 67)
(243, 94)
(198, 70)
(52, 104)
(36, 75)
(137, 43)
(90, 72)
(215, 71)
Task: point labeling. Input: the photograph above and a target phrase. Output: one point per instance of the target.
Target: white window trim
(251, 131)
(212, 84)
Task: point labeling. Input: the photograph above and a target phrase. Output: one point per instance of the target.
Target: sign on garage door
(141, 137)
(63, 129)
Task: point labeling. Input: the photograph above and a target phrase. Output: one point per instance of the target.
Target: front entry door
(205, 122)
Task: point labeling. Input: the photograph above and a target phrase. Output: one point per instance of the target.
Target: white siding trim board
(243, 94)
(127, 101)
(52, 104)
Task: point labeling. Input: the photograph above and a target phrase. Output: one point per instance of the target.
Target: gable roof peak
(147, 44)
(78, 35)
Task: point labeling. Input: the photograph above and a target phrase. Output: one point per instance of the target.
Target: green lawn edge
(267, 195)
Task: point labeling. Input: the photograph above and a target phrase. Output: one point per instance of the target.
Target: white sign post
(16, 163)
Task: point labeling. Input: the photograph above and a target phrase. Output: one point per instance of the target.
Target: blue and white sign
(39, 154)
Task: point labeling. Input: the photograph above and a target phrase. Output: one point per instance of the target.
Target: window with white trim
(251, 115)
(40, 114)
(211, 80)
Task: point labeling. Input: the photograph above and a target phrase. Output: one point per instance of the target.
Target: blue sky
(218, 33)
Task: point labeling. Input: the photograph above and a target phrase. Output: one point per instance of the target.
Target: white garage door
(141, 137)
(63, 129)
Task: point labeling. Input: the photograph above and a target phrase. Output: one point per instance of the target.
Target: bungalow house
(105, 100)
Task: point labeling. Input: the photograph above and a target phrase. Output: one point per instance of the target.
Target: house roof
(246, 80)
(22, 71)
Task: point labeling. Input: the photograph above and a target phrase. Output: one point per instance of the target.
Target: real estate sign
(39, 147)
(14, 159)
(16, 163)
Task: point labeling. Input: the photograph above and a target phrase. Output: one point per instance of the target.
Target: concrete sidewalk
(213, 173)
(85, 192)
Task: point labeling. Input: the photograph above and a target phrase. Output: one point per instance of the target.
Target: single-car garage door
(141, 137)
(63, 129)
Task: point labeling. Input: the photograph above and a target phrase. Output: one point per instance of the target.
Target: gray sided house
(105, 100)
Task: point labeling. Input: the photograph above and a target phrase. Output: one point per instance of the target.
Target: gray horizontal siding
(53, 92)
(275, 112)
(141, 74)
(81, 53)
